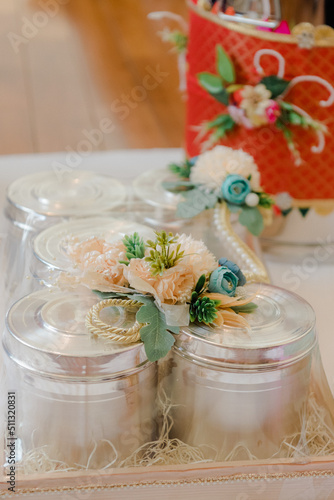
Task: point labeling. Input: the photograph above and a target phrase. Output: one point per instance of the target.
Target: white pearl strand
(250, 264)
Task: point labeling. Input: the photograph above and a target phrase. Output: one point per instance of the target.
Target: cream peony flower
(214, 166)
(255, 101)
(177, 283)
(198, 258)
(99, 262)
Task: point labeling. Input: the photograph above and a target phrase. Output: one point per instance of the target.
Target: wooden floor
(78, 72)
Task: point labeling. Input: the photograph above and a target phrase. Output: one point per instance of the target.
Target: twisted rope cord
(121, 335)
(253, 269)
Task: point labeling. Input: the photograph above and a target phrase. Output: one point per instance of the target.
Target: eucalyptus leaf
(225, 66)
(211, 83)
(276, 85)
(156, 335)
(196, 201)
(233, 208)
(252, 219)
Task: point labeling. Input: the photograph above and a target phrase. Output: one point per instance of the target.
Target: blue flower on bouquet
(193, 160)
(235, 189)
(235, 269)
(223, 281)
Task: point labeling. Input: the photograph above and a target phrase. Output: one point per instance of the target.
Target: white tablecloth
(317, 287)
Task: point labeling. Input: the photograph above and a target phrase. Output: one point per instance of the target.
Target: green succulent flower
(203, 309)
(134, 246)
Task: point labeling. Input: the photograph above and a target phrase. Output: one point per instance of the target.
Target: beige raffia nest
(315, 439)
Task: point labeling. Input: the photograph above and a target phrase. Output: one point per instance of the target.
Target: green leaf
(246, 309)
(286, 131)
(286, 105)
(252, 219)
(155, 334)
(183, 170)
(221, 125)
(211, 83)
(295, 118)
(200, 284)
(233, 208)
(275, 84)
(265, 200)
(196, 202)
(218, 121)
(287, 134)
(222, 121)
(225, 66)
(180, 40)
(221, 97)
(229, 124)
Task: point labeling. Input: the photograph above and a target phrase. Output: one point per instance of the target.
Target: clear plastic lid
(282, 330)
(46, 333)
(49, 246)
(74, 194)
(148, 187)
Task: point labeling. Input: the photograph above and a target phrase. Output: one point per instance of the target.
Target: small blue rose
(235, 189)
(235, 269)
(223, 281)
(193, 160)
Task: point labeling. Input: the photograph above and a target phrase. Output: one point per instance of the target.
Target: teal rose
(223, 281)
(235, 269)
(235, 189)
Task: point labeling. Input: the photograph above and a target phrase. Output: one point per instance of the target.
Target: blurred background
(73, 70)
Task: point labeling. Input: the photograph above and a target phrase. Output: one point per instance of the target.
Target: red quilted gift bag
(250, 51)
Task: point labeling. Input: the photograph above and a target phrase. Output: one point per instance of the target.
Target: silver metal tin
(49, 246)
(75, 390)
(37, 201)
(230, 387)
(33, 199)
